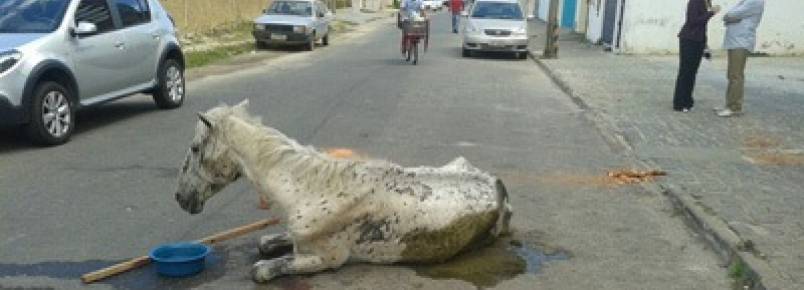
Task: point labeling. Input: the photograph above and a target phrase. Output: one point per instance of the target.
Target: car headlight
(300, 29)
(8, 59)
(519, 31)
(471, 28)
(258, 26)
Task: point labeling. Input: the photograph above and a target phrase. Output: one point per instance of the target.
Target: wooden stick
(145, 260)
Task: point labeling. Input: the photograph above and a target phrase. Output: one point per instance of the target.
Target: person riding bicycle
(410, 10)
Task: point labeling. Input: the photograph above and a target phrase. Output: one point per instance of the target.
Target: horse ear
(203, 117)
(243, 105)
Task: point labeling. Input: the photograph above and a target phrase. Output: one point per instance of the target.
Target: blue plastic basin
(179, 259)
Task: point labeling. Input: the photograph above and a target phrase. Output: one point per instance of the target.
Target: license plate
(279, 36)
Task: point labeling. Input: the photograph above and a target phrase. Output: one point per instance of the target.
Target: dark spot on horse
(371, 250)
(371, 231)
(323, 202)
(298, 217)
(341, 195)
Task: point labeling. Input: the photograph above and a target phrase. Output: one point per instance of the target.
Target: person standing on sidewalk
(741, 38)
(692, 42)
(456, 7)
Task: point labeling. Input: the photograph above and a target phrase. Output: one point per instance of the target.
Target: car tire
(325, 40)
(465, 52)
(310, 46)
(170, 89)
(52, 114)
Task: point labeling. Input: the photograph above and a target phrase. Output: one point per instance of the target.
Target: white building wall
(594, 31)
(544, 8)
(581, 16)
(651, 26)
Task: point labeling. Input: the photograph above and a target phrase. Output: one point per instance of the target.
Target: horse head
(209, 165)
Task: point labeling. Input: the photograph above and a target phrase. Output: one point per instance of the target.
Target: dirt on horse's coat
(342, 210)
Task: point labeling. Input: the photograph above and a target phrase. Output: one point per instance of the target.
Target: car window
(31, 16)
(96, 12)
(299, 8)
(497, 10)
(133, 12)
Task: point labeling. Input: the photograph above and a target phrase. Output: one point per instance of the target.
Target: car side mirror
(85, 28)
(531, 17)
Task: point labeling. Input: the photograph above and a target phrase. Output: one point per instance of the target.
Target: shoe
(686, 110)
(727, 113)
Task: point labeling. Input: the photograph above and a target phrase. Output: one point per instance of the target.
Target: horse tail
(502, 226)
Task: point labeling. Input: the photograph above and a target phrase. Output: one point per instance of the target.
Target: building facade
(651, 26)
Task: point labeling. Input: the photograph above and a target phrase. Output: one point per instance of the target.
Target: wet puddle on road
(142, 278)
(491, 265)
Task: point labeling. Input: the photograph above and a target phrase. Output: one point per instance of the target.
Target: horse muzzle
(190, 205)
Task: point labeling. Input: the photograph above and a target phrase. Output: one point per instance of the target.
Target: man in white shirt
(741, 38)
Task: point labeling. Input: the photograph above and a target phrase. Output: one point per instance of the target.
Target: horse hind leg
(275, 244)
(502, 226)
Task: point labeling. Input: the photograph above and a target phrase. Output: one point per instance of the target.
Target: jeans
(690, 56)
(456, 18)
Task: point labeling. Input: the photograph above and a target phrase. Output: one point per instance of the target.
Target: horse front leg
(275, 244)
(266, 270)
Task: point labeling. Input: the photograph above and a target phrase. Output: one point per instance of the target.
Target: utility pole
(551, 45)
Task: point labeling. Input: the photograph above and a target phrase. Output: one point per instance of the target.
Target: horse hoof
(261, 272)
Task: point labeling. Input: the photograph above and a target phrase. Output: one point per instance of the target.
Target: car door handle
(155, 35)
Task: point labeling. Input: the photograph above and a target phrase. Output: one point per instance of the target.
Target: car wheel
(325, 40)
(465, 52)
(523, 55)
(52, 116)
(311, 44)
(170, 92)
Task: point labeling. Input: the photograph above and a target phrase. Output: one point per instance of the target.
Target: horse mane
(274, 149)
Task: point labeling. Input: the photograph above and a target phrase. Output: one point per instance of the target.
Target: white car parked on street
(432, 4)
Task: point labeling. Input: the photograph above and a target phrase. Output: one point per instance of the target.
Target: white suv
(59, 56)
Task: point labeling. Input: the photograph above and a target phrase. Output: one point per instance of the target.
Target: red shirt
(456, 6)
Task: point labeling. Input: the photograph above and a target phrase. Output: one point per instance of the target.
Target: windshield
(31, 16)
(497, 10)
(298, 8)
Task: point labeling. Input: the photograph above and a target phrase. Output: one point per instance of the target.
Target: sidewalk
(740, 179)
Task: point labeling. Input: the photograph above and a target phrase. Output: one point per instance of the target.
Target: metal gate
(568, 13)
(609, 21)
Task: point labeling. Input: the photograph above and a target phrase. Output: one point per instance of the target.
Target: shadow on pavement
(15, 139)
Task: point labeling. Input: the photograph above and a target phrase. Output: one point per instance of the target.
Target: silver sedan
(293, 22)
(495, 25)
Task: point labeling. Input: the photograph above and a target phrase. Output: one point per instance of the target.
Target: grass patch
(738, 272)
(205, 57)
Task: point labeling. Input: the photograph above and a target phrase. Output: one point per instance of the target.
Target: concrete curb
(726, 243)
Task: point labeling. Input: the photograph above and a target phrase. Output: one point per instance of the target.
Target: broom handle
(145, 260)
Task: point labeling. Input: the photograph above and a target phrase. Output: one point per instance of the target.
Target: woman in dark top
(692, 42)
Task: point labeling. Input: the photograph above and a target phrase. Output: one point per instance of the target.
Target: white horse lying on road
(341, 210)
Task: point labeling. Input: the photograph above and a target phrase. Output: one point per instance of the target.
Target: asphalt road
(108, 194)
